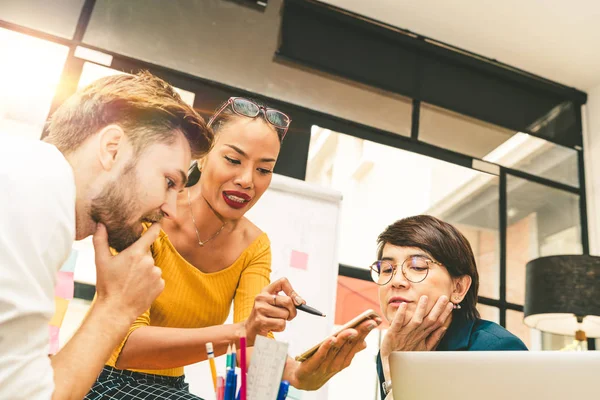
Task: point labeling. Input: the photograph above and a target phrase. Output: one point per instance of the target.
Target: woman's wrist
(384, 352)
(289, 372)
(241, 331)
(387, 345)
(385, 364)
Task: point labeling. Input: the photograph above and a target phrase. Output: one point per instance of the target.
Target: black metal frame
(415, 120)
(503, 223)
(583, 204)
(527, 78)
(73, 68)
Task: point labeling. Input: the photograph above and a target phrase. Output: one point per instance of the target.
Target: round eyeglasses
(415, 269)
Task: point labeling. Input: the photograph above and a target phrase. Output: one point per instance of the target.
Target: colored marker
(230, 384)
(243, 387)
(220, 388)
(284, 386)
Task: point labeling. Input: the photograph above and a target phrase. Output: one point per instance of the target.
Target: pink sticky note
(299, 260)
(54, 330)
(65, 285)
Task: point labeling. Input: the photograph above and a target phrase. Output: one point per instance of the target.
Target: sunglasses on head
(248, 108)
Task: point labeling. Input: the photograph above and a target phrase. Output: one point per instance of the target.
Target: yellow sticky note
(61, 306)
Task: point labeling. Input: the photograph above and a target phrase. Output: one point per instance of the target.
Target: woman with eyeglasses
(428, 284)
(211, 256)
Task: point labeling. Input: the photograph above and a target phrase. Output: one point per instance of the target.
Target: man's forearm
(79, 363)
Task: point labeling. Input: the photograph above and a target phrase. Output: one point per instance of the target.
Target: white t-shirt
(37, 230)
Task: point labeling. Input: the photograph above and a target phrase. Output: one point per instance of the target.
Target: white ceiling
(556, 39)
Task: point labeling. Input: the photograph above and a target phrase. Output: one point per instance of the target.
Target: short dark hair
(444, 242)
(147, 108)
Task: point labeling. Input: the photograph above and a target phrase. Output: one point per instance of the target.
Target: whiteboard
(301, 220)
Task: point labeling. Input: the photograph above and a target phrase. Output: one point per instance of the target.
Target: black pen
(310, 310)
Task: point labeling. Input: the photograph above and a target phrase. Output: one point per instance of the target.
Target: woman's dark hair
(228, 114)
(444, 242)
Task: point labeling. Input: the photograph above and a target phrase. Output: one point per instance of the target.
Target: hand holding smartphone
(369, 314)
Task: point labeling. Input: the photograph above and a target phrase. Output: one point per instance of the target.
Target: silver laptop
(495, 375)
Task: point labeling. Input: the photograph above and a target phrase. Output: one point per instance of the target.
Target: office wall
(233, 44)
(58, 17)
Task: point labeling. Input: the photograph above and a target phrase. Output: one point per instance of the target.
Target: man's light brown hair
(147, 108)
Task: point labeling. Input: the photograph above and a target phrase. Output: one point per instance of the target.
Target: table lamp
(562, 295)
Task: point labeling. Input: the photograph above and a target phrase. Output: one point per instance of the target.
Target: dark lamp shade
(558, 289)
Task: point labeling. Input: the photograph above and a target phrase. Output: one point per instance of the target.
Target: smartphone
(369, 314)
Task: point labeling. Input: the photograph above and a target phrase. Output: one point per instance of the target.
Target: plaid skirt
(114, 383)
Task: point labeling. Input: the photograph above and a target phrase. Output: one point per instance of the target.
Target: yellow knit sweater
(193, 299)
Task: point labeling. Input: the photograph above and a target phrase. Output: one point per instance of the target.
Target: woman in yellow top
(211, 256)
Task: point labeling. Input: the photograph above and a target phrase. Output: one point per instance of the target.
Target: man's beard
(116, 205)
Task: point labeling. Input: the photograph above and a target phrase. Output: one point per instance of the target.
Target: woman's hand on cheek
(422, 332)
(334, 355)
